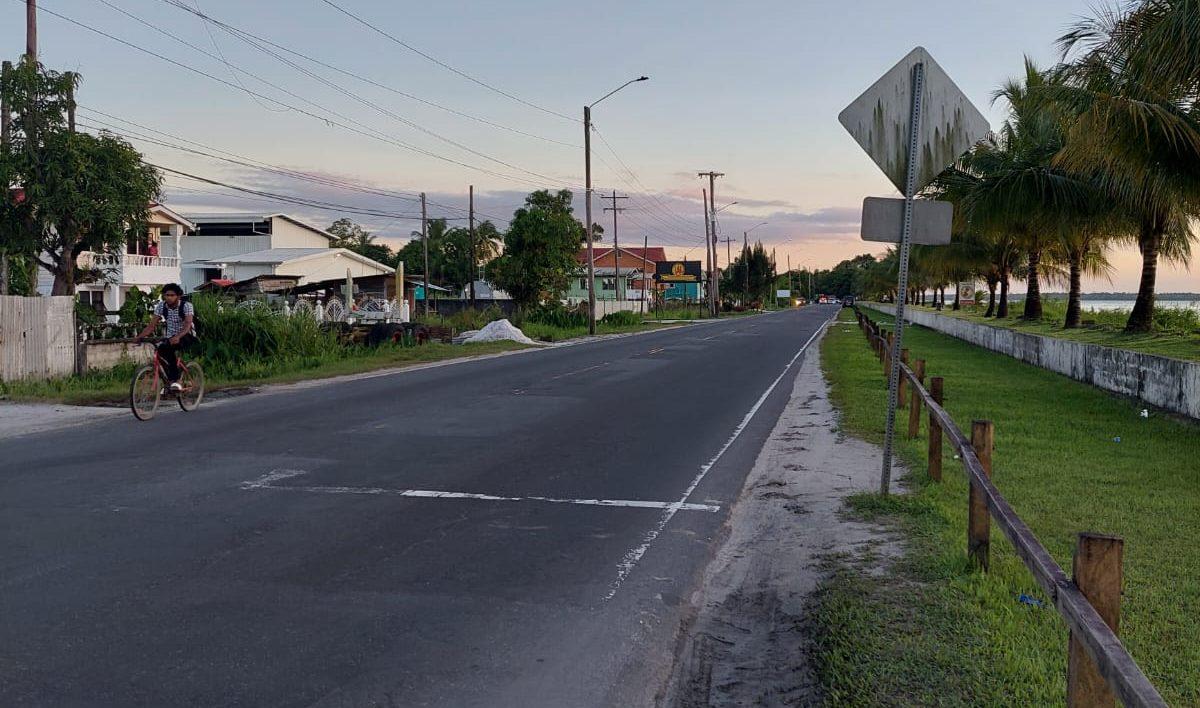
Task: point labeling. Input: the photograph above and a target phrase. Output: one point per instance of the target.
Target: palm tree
(1132, 94)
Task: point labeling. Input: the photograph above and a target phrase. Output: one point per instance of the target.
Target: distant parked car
(848, 301)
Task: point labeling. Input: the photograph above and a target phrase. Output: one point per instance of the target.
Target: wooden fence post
(935, 432)
(978, 520)
(1097, 571)
(902, 391)
(914, 408)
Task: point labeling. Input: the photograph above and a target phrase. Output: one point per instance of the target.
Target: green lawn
(112, 386)
(1103, 328)
(932, 631)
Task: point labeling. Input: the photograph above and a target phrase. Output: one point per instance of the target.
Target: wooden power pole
(714, 294)
(31, 48)
(616, 243)
(471, 235)
(425, 252)
(707, 251)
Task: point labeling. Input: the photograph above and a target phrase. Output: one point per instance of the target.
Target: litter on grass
(498, 331)
(1030, 600)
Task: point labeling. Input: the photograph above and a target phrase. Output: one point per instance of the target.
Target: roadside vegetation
(929, 630)
(111, 386)
(1175, 332)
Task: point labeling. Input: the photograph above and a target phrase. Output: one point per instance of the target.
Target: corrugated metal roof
(272, 255)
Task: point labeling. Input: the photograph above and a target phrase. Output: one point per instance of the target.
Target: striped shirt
(174, 318)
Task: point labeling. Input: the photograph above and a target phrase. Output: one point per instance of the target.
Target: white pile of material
(499, 330)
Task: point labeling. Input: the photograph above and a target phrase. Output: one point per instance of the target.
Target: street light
(587, 170)
(718, 211)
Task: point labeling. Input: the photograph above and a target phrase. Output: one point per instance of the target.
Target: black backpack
(179, 308)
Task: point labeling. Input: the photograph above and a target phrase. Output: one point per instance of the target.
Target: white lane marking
(270, 478)
(625, 567)
(580, 371)
(267, 482)
(655, 351)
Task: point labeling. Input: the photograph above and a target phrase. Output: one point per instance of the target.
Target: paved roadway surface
(286, 549)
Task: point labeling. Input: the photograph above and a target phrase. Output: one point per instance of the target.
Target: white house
(145, 262)
(244, 245)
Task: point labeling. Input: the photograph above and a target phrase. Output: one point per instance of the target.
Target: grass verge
(1180, 341)
(112, 386)
(929, 630)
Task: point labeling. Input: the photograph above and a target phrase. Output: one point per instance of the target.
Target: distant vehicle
(823, 301)
(848, 301)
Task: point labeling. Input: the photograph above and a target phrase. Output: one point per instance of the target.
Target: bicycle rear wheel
(145, 392)
(191, 376)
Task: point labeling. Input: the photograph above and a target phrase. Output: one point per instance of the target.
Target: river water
(1101, 305)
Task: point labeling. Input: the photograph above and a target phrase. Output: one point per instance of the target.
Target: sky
(491, 95)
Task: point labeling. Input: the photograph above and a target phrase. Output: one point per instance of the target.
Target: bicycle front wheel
(145, 392)
(191, 376)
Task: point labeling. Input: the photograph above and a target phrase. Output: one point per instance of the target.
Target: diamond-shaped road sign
(879, 121)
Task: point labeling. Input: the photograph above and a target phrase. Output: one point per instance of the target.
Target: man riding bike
(179, 316)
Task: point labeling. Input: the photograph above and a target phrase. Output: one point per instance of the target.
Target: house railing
(1099, 668)
(90, 259)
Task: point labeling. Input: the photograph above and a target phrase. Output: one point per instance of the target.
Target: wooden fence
(1099, 669)
(37, 337)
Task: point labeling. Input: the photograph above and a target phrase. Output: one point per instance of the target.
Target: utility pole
(425, 252)
(708, 255)
(31, 30)
(746, 270)
(591, 251)
(707, 250)
(616, 244)
(471, 232)
(645, 248)
(5, 129)
(728, 251)
(712, 245)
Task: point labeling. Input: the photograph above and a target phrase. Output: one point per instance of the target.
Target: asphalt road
(292, 548)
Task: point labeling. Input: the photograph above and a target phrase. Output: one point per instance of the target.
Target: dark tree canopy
(539, 249)
(78, 192)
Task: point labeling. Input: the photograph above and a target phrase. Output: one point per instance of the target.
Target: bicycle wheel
(192, 378)
(144, 393)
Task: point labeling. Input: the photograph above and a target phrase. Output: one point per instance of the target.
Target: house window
(93, 299)
(583, 284)
(608, 284)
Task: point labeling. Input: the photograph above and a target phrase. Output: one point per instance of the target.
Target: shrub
(556, 314)
(623, 318)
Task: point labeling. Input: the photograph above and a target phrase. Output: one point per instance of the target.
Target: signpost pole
(914, 127)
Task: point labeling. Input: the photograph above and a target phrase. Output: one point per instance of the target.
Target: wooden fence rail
(1100, 669)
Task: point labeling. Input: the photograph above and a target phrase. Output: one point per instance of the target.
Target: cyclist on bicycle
(179, 316)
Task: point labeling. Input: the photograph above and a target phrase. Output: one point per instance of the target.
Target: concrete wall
(105, 354)
(1172, 384)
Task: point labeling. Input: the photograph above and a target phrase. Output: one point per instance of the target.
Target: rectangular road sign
(883, 220)
(879, 121)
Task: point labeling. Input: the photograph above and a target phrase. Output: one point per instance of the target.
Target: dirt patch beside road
(749, 642)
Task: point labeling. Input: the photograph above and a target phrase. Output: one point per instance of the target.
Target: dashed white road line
(268, 481)
(626, 566)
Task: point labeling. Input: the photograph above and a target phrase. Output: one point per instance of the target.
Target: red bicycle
(149, 385)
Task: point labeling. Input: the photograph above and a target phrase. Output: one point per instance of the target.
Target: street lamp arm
(631, 81)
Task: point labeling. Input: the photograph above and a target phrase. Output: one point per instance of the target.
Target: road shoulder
(749, 640)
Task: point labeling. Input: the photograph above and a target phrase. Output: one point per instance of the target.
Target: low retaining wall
(107, 353)
(1167, 383)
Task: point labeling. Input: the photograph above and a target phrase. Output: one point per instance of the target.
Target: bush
(623, 318)
(556, 314)
(241, 342)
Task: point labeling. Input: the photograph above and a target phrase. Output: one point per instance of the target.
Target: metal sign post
(940, 124)
(918, 86)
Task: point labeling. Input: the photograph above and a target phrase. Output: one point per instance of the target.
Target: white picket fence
(37, 337)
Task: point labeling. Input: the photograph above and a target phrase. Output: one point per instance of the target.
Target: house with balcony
(242, 246)
(148, 260)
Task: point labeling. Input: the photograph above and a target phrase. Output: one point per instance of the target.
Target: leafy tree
(353, 237)
(539, 249)
(751, 276)
(79, 192)
(450, 251)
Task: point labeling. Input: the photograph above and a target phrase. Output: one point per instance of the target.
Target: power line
(446, 66)
(412, 124)
(361, 129)
(433, 104)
